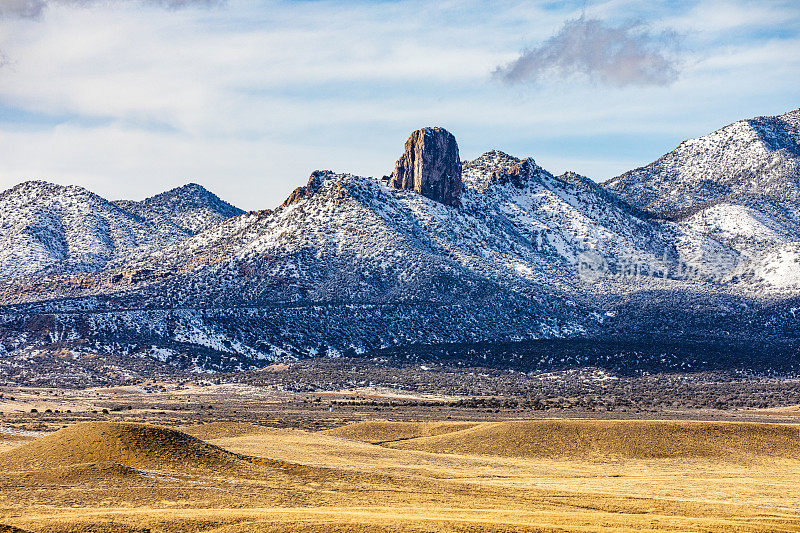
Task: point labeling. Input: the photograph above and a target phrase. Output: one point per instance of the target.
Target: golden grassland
(544, 475)
(379, 432)
(8, 442)
(629, 439)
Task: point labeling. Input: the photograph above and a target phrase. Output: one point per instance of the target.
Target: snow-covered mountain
(356, 238)
(748, 161)
(192, 208)
(442, 252)
(53, 229)
(739, 185)
(518, 229)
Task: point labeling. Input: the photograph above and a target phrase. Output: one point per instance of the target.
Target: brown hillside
(599, 439)
(9, 441)
(221, 430)
(132, 445)
(104, 471)
(380, 431)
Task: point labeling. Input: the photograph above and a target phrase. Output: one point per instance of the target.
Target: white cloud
(622, 55)
(118, 162)
(251, 97)
(34, 9)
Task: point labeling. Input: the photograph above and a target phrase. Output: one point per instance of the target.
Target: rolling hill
(594, 440)
(138, 446)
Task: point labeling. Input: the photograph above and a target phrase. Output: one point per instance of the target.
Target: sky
(129, 98)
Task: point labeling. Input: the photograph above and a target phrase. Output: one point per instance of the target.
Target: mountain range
(442, 256)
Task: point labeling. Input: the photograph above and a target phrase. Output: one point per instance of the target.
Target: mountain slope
(496, 254)
(191, 207)
(750, 160)
(49, 228)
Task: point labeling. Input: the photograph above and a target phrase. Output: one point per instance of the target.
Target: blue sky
(132, 97)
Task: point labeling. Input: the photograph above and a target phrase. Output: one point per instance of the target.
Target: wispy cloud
(29, 9)
(614, 55)
(128, 97)
(11, 10)
(34, 9)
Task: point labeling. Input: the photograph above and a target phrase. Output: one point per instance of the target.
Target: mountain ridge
(53, 229)
(712, 167)
(191, 207)
(359, 265)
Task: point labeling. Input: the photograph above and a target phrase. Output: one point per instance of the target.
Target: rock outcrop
(517, 175)
(314, 183)
(430, 166)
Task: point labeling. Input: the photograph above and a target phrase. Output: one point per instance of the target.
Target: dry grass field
(542, 475)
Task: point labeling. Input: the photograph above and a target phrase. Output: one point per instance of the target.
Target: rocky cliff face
(430, 166)
(313, 185)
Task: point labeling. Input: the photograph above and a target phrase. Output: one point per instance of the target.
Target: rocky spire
(430, 166)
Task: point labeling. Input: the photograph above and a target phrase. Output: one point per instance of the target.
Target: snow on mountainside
(352, 262)
(490, 250)
(52, 228)
(354, 238)
(191, 207)
(741, 226)
(560, 216)
(778, 269)
(740, 186)
(748, 160)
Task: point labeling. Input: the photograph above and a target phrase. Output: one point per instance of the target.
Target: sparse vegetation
(436, 476)
(359, 444)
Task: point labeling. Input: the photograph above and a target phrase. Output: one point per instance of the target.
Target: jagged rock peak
(315, 181)
(496, 167)
(430, 165)
(493, 160)
(517, 175)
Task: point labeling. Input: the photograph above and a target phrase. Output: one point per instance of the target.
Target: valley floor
(268, 460)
